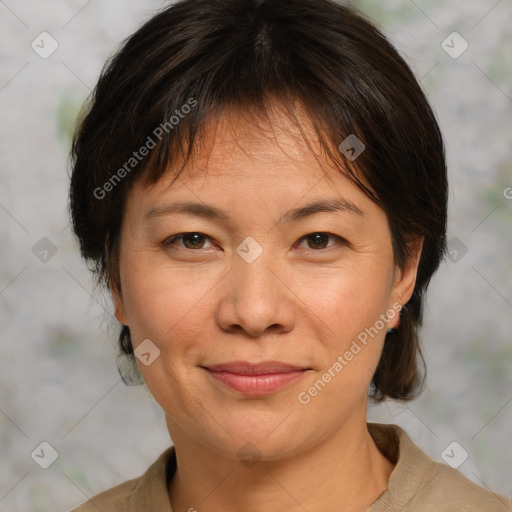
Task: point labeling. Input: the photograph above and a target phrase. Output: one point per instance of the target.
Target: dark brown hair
(214, 55)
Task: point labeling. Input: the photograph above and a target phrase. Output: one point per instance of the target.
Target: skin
(301, 301)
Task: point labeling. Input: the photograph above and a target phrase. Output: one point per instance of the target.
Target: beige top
(417, 484)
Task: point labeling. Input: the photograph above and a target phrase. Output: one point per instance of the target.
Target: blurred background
(59, 383)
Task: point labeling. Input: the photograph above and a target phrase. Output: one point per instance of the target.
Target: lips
(257, 379)
(263, 368)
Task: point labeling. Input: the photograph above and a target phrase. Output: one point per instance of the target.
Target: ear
(119, 309)
(405, 279)
(113, 279)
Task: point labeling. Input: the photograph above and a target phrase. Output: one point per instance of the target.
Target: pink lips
(256, 379)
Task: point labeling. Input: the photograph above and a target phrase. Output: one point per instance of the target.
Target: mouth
(258, 379)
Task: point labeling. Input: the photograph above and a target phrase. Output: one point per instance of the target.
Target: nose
(256, 299)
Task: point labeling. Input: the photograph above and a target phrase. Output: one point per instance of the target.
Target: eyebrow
(213, 213)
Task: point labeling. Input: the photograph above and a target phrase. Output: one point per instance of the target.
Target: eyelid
(341, 240)
(179, 236)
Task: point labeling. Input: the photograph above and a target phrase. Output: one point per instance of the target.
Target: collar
(151, 491)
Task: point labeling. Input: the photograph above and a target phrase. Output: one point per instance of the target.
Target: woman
(262, 187)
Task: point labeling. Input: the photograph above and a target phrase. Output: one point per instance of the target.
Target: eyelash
(170, 241)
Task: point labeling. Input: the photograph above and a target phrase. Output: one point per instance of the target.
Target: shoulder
(449, 490)
(418, 483)
(148, 492)
(115, 499)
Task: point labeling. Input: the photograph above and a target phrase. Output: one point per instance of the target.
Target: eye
(196, 241)
(318, 241)
(190, 241)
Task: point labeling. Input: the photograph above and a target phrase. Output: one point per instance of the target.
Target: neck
(345, 472)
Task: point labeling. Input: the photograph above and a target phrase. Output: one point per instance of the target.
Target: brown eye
(189, 240)
(320, 240)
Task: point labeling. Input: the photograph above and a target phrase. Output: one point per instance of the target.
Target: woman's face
(267, 281)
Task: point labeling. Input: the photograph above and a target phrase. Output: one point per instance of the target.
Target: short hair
(197, 59)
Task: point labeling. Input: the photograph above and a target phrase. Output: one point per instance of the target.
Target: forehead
(244, 147)
(275, 136)
(254, 177)
(243, 162)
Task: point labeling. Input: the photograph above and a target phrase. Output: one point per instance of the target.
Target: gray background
(58, 379)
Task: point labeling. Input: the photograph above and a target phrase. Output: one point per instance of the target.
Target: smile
(256, 385)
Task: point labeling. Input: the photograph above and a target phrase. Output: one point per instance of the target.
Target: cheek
(346, 316)
(170, 308)
(163, 304)
(347, 300)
